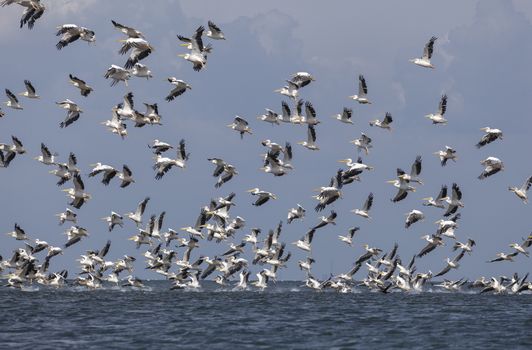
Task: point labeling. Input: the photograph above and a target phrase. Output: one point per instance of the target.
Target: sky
(482, 60)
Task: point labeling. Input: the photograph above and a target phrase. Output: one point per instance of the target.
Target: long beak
(343, 161)
(185, 44)
(181, 55)
(390, 181)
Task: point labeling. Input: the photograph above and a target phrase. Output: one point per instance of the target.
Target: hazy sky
(482, 61)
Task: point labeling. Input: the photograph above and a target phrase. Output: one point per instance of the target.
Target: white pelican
(32, 12)
(137, 215)
(413, 217)
(77, 194)
(355, 168)
(178, 90)
(493, 166)
(329, 194)
(108, 172)
(290, 90)
(133, 282)
(433, 242)
(345, 117)
(362, 91)
(437, 118)
(297, 117)
(46, 157)
(311, 139)
(197, 55)
(370, 252)
(364, 142)
(113, 220)
(126, 109)
(240, 125)
(504, 257)
(269, 117)
(126, 176)
(384, 124)
(349, 238)
(30, 90)
(13, 100)
(214, 32)
(326, 220)
(264, 196)
(431, 202)
(489, 136)
(84, 89)
(364, 212)
(75, 234)
(444, 225)
(286, 116)
(229, 171)
(403, 188)
(18, 233)
(445, 155)
(160, 147)
(262, 282)
(115, 125)
(295, 213)
(306, 264)
(415, 170)
(163, 164)
(129, 31)
(424, 61)
(310, 114)
(141, 71)
(521, 248)
(468, 247)
(71, 32)
(306, 241)
(451, 264)
(302, 78)
(140, 50)
(521, 192)
(67, 215)
(73, 112)
(117, 74)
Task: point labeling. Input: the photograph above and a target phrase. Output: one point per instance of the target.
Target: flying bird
(84, 89)
(424, 61)
(522, 191)
(492, 166)
(489, 136)
(178, 90)
(384, 124)
(362, 91)
(438, 117)
(241, 125)
(71, 32)
(30, 90)
(364, 212)
(214, 32)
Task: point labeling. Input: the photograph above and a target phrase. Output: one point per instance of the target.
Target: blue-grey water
(284, 316)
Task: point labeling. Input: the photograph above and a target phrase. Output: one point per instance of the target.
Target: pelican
(522, 192)
(30, 90)
(113, 220)
(493, 166)
(326, 220)
(180, 88)
(117, 74)
(71, 32)
(264, 196)
(468, 247)
(32, 12)
(77, 194)
(19, 234)
(489, 136)
(229, 171)
(46, 157)
(349, 238)
(73, 112)
(302, 78)
(126, 176)
(311, 139)
(364, 212)
(297, 117)
(240, 125)
(262, 282)
(133, 282)
(413, 217)
(67, 215)
(291, 90)
(137, 215)
(424, 61)
(197, 55)
(141, 71)
(433, 242)
(305, 242)
(521, 248)
(364, 143)
(108, 172)
(415, 170)
(140, 50)
(160, 147)
(431, 202)
(437, 118)
(306, 264)
(214, 32)
(115, 125)
(445, 225)
(329, 194)
(163, 164)
(310, 113)
(403, 188)
(362, 91)
(355, 168)
(74, 235)
(84, 89)
(504, 257)
(269, 117)
(295, 213)
(445, 155)
(384, 124)
(370, 252)
(345, 117)
(451, 264)
(13, 100)
(129, 31)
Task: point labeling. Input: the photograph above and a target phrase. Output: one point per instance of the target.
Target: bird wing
(311, 134)
(443, 193)
(182, 151)
(526, 185)
(78, 183)
(387, 119)
(429, 48)
(400, 195)
(369, 202)
(416, 167)
(71, 118)
(427, 249)
(362, 86)
(11, 96)
(197, 43)
(443, 105)
(444, 271)
(309, 110)
(29, 87)
(213, 27)
(346, 114)
(45, 152)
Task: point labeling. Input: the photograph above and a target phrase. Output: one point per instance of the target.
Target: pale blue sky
(482, 62)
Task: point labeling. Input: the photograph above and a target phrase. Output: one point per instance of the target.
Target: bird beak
(343, 161)
(181, 55)
(185, 44)
(390, 181)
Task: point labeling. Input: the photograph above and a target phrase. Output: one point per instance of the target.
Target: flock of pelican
(174, 254)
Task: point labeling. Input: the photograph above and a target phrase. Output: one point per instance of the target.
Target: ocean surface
(285, 316)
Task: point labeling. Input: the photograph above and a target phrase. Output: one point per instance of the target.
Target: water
(283, 316)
